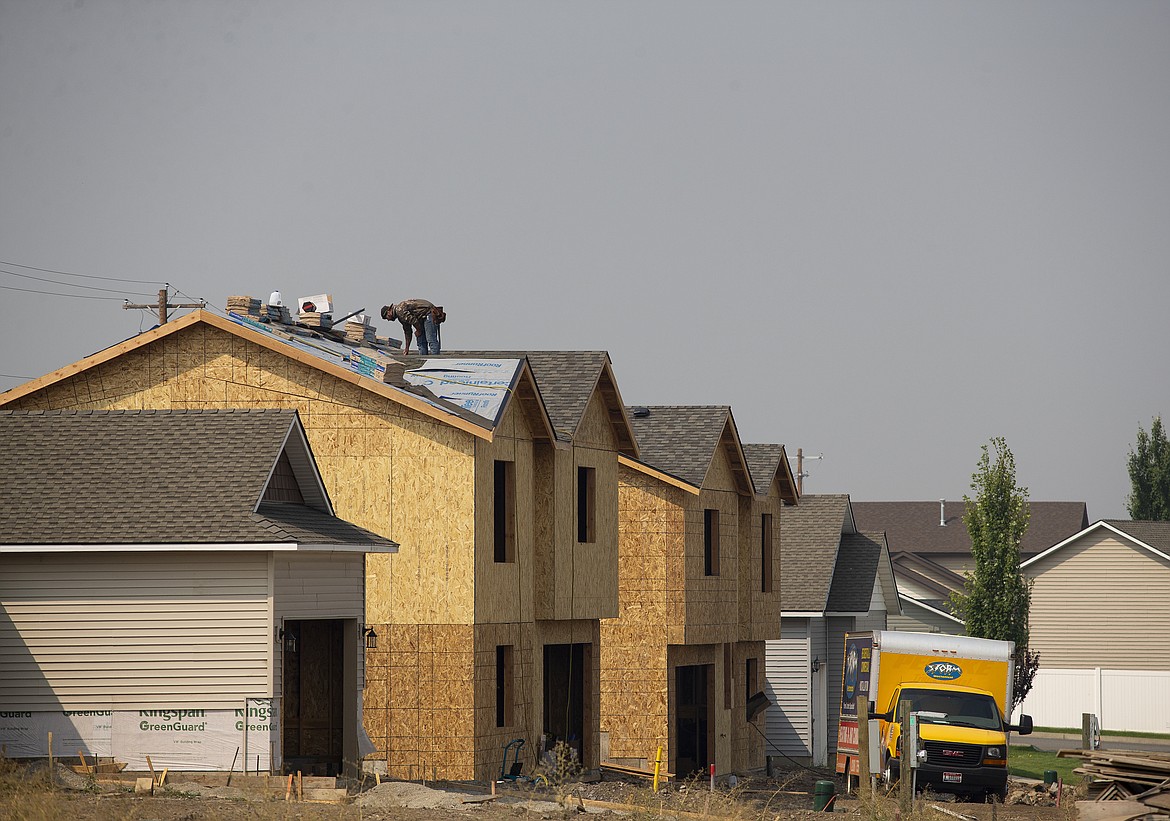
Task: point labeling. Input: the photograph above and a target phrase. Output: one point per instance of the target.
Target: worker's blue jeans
(429, 343)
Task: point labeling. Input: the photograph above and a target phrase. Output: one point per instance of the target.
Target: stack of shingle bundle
(358, 331)
(277, 313)
(315, 319)
(243, 305)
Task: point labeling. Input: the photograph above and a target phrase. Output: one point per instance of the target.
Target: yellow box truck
(961, 689)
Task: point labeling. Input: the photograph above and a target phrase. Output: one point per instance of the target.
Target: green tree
(997, 597)
(1149, 475)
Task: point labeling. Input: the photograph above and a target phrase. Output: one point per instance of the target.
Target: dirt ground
(25, 795)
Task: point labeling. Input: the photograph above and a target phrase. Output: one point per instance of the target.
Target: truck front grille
(942, 754)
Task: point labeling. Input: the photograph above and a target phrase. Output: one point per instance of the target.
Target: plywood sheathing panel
(747, 745)
(419, 702)
(760, 611)
(503, 590)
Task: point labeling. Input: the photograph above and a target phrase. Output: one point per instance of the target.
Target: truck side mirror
(1024, 727)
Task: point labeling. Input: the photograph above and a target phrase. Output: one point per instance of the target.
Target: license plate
(952, 778)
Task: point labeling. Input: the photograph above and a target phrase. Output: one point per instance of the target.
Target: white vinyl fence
(1134, 700)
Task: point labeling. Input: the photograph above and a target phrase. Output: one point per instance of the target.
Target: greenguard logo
(943, 670)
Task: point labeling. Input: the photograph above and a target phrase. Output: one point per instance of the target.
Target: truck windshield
(965, 709)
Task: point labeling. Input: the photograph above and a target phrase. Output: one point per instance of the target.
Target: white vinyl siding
(116, 631)
(786, 684)
(1101, 601)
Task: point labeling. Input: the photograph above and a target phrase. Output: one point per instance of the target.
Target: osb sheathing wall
(759, 612)
(652, 587)
(747, 742)
(576, 580)
(712, 602)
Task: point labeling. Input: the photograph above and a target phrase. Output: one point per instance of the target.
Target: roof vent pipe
(942, 512)
(641, 412)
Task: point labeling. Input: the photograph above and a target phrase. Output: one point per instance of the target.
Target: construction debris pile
(1126, 775)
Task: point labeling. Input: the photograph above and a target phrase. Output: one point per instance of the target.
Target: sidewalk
(1072, 741)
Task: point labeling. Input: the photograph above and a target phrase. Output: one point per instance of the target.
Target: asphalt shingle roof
(679, 439)
(855, 572)
(913, 527)
(1155, 534)
(763, 461)
(810, 534)
(157, 477)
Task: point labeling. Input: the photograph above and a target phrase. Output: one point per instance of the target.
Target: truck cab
(962, 738)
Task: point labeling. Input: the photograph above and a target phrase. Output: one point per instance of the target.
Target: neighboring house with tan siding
(1099, 618)
(1102, 598)
(472, 628)
(835, 579)
(175, 584)
(674, 665)
(931, 550)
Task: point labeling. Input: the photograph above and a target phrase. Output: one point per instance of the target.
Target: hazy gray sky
(882, 231)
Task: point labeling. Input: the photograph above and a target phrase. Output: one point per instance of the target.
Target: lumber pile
(315, 319)
(243, 305)
(1126, 775)
(359, 331)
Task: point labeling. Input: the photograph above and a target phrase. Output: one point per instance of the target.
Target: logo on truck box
(943, 670)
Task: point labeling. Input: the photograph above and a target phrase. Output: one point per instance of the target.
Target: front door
(312, 702)
(565, 667)
(694, 691)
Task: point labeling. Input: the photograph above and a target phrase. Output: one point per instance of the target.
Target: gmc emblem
(953, 753)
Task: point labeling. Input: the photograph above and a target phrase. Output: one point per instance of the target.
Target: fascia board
(196, 547)
(925, 606)
(662, 476)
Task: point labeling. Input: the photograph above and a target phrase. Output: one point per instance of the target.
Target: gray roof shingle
(810, 535)
(1155, 534)
(151, 477)
(855, 572)
(679, 439)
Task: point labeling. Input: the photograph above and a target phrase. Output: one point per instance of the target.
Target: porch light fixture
(816, 664)
(290, 640)
(371, 638)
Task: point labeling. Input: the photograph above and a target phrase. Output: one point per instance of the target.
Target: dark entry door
(312, 703)
(565, 668)
(693, 693)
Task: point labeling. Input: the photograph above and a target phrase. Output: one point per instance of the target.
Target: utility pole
(164, 304)
(800, 474)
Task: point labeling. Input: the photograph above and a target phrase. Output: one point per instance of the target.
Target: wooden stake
(300, 786)
(52, 774)
(153, 780)
(288, 789)
(84, 766)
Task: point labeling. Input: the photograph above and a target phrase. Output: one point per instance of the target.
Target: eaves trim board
(1095, 526)
(926, 606)
(624, 428)
(237, 329)
(642, 467)
(198, 547)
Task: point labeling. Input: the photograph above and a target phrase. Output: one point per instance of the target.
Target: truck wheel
(890, 772)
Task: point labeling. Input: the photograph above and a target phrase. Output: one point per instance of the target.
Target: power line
(70, 284)
(54, 293)
(13, 376)
(84, 276)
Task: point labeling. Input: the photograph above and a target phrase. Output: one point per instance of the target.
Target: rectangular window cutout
(504, 496)
(766, 552)
(504, 677)
(586, 504)
(710, 542)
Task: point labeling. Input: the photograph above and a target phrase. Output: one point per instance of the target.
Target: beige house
(487, 616)
(174, 584)
(682, 661)
(1101, 598)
